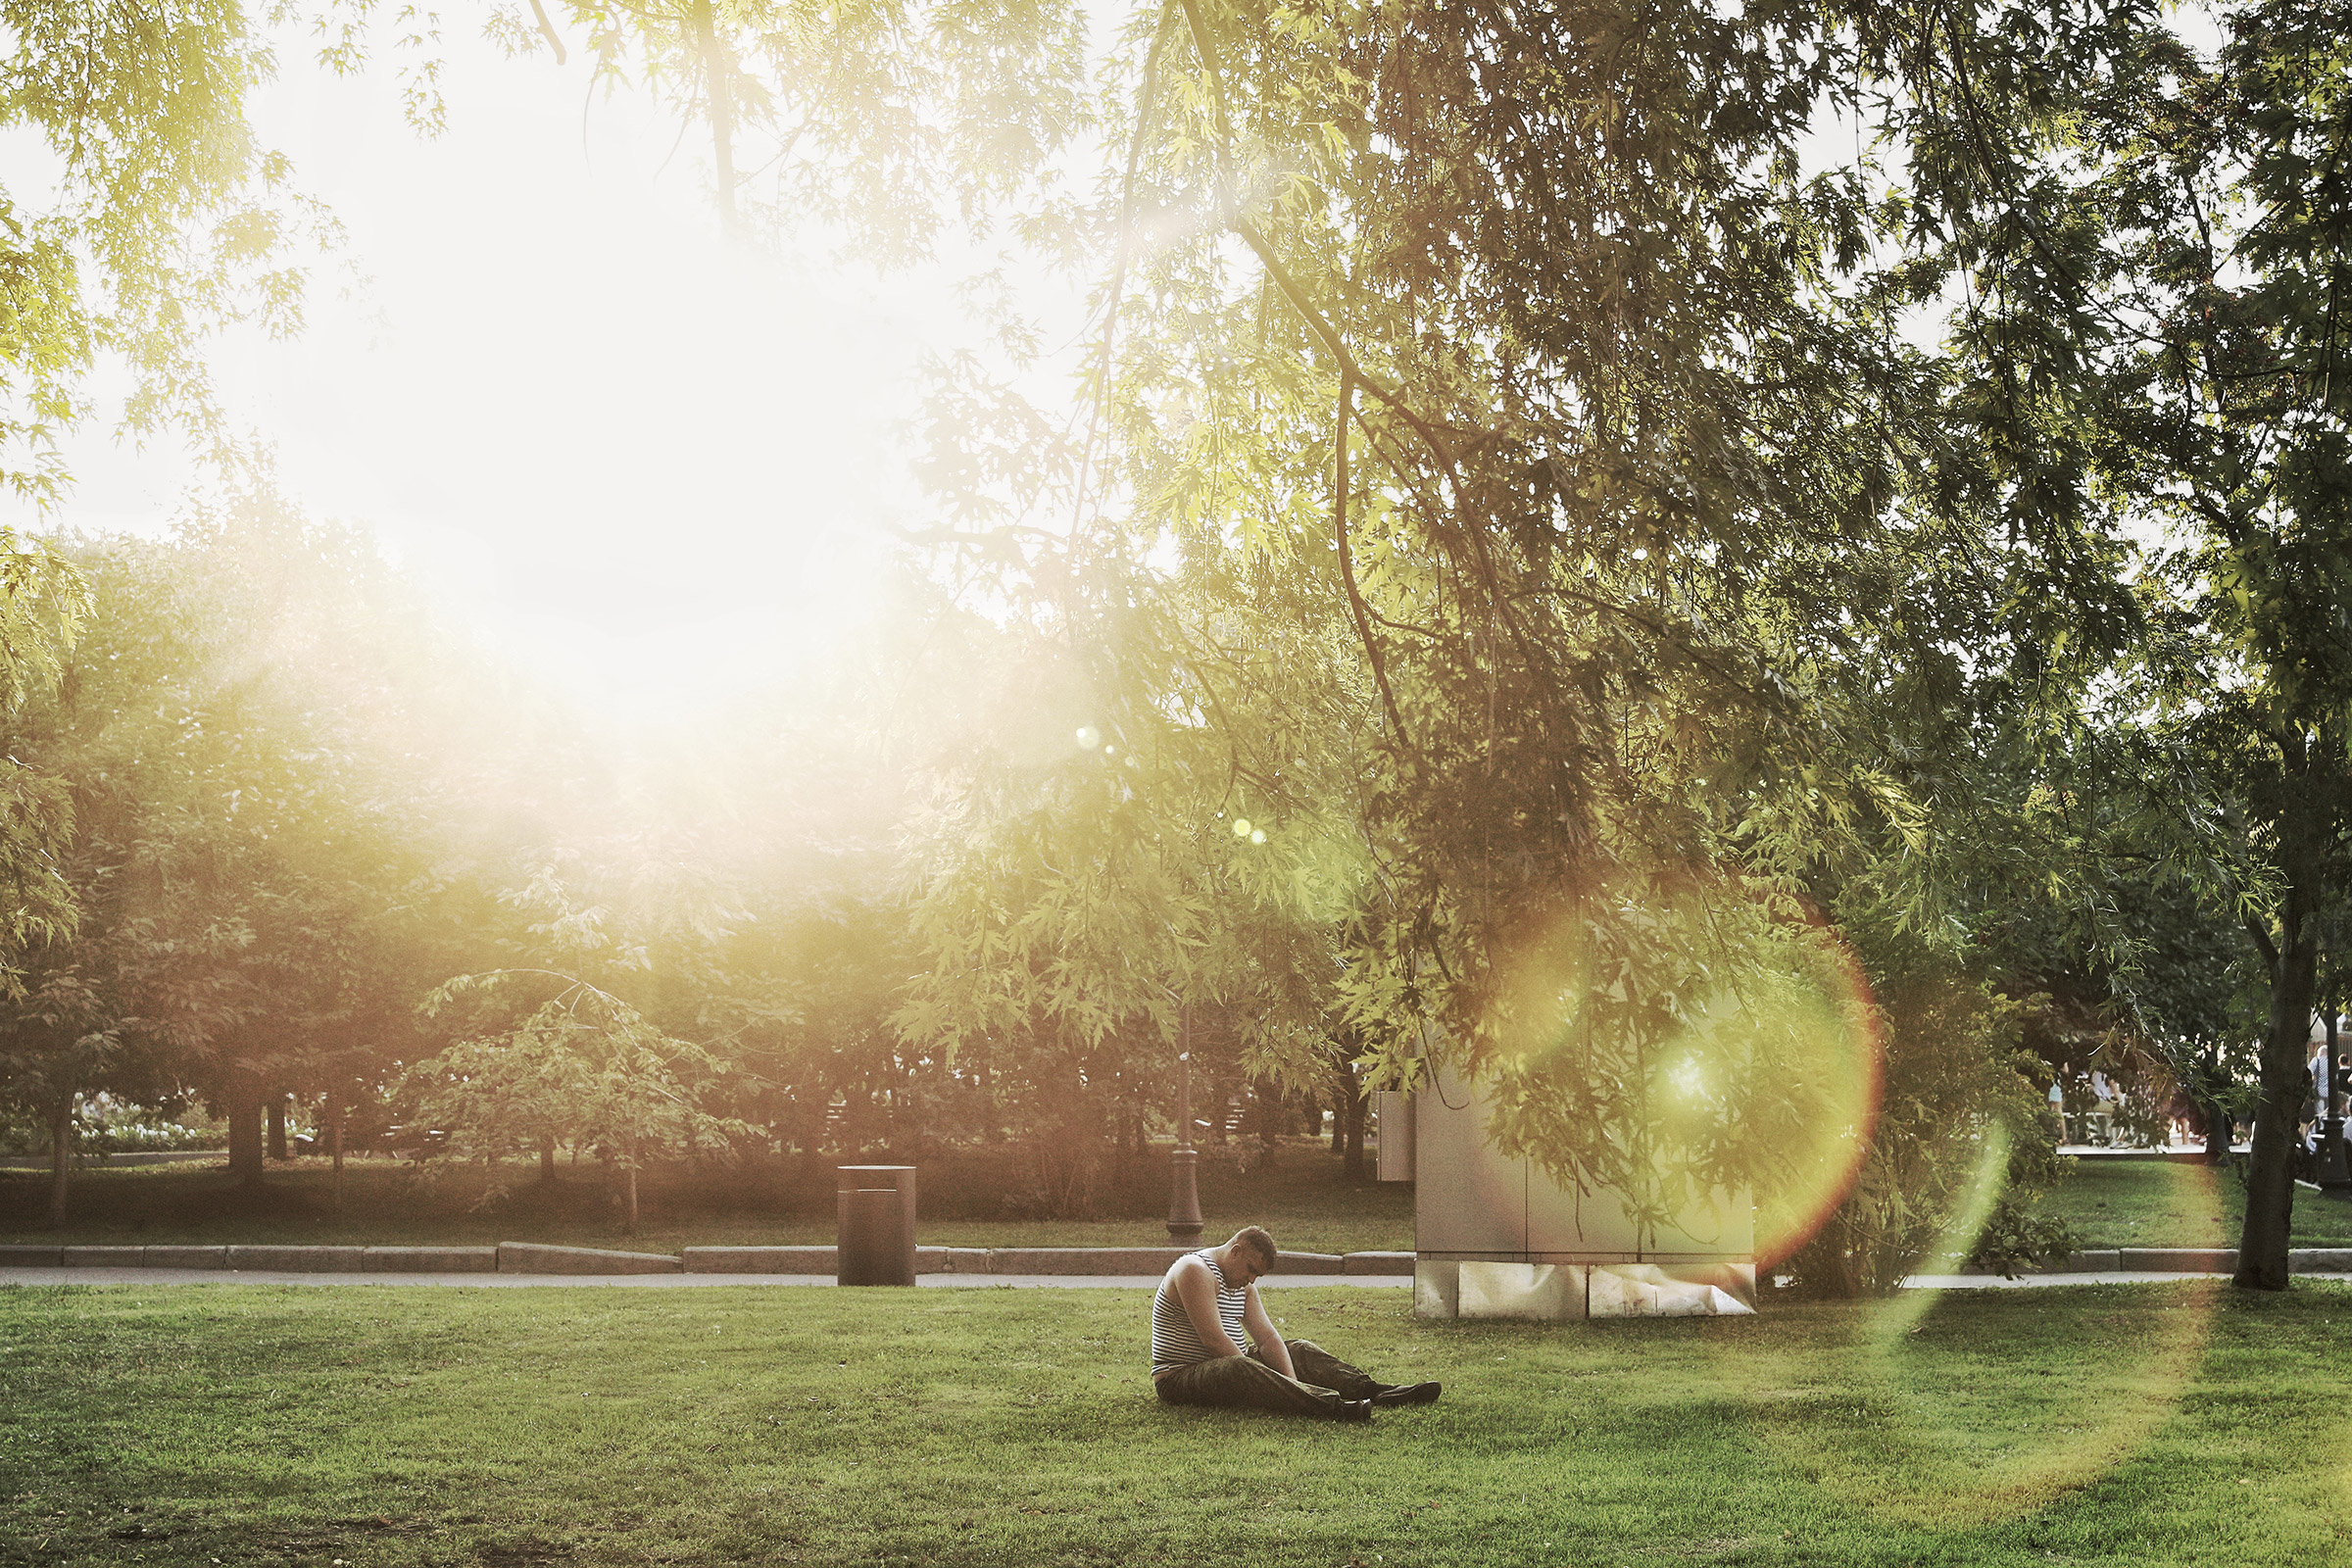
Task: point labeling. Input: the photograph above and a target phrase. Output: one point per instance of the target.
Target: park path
(949, 1282)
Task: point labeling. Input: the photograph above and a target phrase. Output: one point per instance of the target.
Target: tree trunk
(547, 1158)
(245, 1137)
(277, 1126)
(631, 1227)
(2294, 965)
(60, 1160)
(334, 1143)
(1353, 1165)
(2217, 1117)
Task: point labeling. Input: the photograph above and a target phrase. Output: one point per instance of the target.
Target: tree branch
(1355, 598)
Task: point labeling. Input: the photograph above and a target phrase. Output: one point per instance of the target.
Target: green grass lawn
(2163, 1204)
(1302, 1196)
(250, 1425)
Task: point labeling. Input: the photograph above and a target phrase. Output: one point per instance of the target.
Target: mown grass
(1302, 1196)
(2171, 1204)
(2121, 1424)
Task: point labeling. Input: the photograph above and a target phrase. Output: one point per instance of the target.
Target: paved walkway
(976, 1282)
(971, 1282)
(1993, 1282)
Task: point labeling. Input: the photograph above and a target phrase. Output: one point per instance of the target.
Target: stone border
(274, 1259)
(533, 1257)
(2183, 1260)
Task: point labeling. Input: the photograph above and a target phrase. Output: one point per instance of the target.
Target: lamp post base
(1183, 1197)
(2334, 1174)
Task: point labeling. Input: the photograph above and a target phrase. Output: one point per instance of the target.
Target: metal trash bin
(876, 1238)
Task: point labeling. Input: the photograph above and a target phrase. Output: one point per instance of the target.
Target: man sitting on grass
(1197, 1318)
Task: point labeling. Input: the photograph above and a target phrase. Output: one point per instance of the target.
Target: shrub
(1959, 1152)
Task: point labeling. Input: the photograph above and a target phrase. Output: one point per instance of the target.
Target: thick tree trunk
(277, 1126)
(245, 1137)
(631, 1227)
(2294, 965)
(61, 1161)
(334, 1143)
(2270, 1161)
(546, 1158)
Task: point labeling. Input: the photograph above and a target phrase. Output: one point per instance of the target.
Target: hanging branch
(1355, 598)
(1320, 325)
(1149, 96)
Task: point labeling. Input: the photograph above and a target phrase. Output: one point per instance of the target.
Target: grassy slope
(2168, 1424)
(1301, 1197)
(2152, 1203)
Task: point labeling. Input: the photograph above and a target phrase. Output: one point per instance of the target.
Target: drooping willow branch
(1339, 534)
(1496, 602)
(1143, 102)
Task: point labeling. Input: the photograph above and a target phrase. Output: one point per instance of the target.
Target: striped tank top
(1174, 1343)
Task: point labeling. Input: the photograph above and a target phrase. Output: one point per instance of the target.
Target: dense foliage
(1717, 568)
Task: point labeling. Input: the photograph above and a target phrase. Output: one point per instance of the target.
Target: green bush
(105, 1127)
(1960, 1152)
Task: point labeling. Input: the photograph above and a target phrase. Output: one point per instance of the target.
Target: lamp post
(1184, 1193)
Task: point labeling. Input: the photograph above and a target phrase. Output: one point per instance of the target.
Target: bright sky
(651, 469)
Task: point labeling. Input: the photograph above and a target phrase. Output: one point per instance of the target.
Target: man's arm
(1198, 1291)
(1270, 1348)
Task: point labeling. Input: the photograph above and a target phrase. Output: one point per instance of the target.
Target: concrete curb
(533, 1257)
(307, 1259)
(1140, 1262)
(184, 1257)
(432, 1260)
(759, 1260)
(2180, 1260)
(1376, 1263)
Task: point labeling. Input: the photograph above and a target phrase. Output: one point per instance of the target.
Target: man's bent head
(1256, 1246)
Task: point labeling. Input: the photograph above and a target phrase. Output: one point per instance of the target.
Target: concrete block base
(1651, 1289)
(1547, 1293)
(1561, 1293)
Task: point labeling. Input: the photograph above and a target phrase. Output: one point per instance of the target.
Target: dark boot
(1408, 1394)
(1353, 1410)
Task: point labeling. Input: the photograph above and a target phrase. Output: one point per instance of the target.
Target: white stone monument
(1494, 1236)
